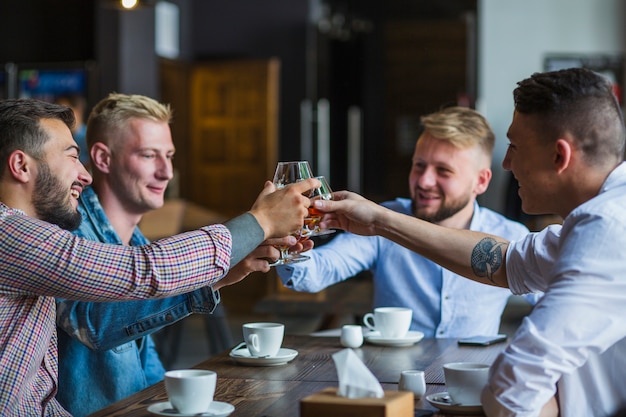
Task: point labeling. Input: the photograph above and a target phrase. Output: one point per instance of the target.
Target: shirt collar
(9, 211)
(617, 177)
(92, 211)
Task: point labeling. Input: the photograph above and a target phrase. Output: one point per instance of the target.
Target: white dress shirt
(575, 337)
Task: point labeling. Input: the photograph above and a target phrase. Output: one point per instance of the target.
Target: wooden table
(277, 391)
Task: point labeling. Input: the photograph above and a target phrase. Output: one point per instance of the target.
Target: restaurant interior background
(341, 83)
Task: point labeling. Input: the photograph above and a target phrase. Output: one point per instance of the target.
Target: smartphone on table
(482, 340)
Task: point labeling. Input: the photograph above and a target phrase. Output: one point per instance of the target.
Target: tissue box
(327, 403)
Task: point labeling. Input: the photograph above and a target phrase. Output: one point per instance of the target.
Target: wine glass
(289, 173)
(324, 192)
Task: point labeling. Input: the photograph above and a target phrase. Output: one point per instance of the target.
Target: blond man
(451, 167)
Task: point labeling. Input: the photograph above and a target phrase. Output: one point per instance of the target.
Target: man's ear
(562, 155)
(484, 177)
(100, 157)
(21, 166)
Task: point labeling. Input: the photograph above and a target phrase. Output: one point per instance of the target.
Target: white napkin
(355, 380)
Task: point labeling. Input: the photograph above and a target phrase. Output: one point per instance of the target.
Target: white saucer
(442, 401)
(217, 409)
(411, 338)
(282, 357)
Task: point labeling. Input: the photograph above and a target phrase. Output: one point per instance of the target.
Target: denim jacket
(105, 351)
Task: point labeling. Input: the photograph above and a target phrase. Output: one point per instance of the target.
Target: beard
(447, 210)
(50, 201)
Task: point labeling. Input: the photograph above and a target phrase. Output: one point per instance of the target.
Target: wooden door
(234, 132)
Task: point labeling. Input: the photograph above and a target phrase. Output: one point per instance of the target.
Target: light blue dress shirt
(574, 341)
(444, 304)
(105, 353)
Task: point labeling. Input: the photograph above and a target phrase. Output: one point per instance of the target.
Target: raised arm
(69, 267)
(477, 256)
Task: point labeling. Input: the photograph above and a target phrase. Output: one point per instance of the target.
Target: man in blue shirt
(105, 351)
(451, 167)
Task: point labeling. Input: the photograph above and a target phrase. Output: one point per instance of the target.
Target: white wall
(514, 37)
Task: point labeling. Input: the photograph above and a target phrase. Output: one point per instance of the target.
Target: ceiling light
(129, 4)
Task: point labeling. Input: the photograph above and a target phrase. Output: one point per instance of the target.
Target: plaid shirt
(39, 261)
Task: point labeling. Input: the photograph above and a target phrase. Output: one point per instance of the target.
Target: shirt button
(441, 332)
(169, 317)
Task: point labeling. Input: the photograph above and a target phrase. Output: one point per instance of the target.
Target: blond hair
(462, 127)
(111, 115)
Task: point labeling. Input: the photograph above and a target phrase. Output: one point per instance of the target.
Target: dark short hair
(580, 102)
(20, 127)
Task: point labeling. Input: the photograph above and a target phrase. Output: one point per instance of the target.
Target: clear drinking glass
(289, 173)
(324, 192)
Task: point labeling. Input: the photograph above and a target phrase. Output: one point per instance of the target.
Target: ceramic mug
(465, 381)
(391, 322)
(190, 391)
(263, 339)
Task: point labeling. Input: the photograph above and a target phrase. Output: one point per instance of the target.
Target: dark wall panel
(44, 30)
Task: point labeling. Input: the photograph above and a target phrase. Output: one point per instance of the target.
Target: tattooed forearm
(487, 257)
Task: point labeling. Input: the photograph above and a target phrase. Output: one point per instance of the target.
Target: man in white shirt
(566, 151)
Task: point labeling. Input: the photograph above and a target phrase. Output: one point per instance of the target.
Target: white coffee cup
(413, 381)
(351, 336)
(190, 391)
(391, 322)
(263, 339)
(465, 381)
